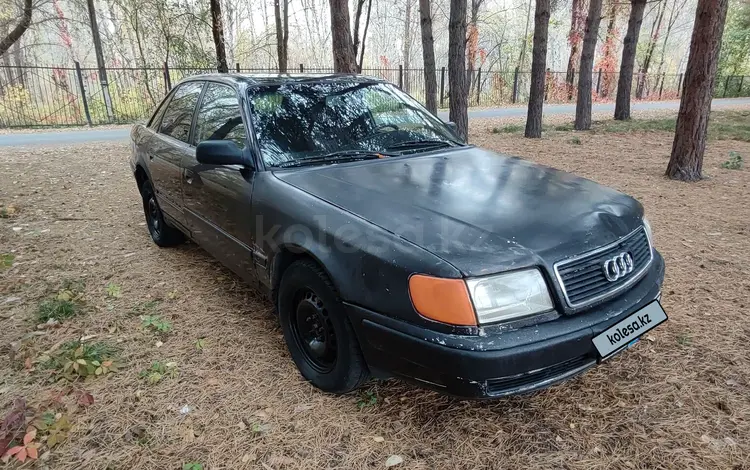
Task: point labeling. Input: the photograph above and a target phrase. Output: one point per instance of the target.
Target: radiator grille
(582, 277)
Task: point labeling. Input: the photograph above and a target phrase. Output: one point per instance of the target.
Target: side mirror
(219, 152)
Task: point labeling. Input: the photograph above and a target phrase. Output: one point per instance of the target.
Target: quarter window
(179, 114)
(219, 116)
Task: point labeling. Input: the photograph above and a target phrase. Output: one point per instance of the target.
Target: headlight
(649, 232)
(507, 296)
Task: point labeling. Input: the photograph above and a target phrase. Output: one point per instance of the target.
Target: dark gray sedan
(388, 246)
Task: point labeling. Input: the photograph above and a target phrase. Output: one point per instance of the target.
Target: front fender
(368, 265)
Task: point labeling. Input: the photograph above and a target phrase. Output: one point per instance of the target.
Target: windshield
(313, 123)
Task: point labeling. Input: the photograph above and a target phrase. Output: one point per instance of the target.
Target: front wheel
(317, 331)
(162, 234)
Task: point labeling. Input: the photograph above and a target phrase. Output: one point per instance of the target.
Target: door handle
(189, 176)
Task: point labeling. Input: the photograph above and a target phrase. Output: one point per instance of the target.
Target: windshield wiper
(419, 144)
(338, 157)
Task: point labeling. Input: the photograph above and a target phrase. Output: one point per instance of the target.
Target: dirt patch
(235, 400)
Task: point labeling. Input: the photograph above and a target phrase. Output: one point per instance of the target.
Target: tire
(162, 234)
(317, 332)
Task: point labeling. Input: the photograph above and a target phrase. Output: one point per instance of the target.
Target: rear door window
(219, 116)
(178, 117)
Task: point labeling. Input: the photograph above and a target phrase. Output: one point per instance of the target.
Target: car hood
(480, 211)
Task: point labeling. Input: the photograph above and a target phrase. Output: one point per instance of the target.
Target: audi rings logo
(618, 267)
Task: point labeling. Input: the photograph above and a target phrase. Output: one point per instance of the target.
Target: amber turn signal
(443, 300)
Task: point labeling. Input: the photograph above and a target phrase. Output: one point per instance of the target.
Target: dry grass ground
(678, 400)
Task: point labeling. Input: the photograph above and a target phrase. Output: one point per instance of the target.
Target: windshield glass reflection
(301, 123)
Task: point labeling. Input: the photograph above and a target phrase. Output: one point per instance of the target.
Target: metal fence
(37, 96)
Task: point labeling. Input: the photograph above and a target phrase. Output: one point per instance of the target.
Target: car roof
(286, 78)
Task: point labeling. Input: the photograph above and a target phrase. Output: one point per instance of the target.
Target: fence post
(661, 87)
(599, 81)
(726, 84)
(237, 67)
(442, 86)
(167, 79)
(679, 86)
(83, 93)
(515, 87)
(479, 83)
(400, 76)
(301, 68)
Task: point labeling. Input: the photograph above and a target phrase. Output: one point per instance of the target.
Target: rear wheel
(162, 234)
(317, 331)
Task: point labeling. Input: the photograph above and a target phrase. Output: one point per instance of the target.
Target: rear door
(168, 147)
(217, 197)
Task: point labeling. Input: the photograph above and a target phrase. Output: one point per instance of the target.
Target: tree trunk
(407, 46)
(674, 14)
(538, 69)
(19, 62)
(458, 91)
(364, 38)
(355, 34)
(16, 33)
(281, 14)
(625, 81)
(686, 161)
(577, 25)
(100, 60)
(640, 90)
(217, 28)
(607, 62)
(428, 56)
(344, 60)
(522, 55)
(472, 43)
(583, 102)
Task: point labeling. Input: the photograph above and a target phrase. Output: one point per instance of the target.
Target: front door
(217, 197)
(169, 145)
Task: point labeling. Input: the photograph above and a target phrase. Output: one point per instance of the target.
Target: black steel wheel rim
(313, 331)
(152, 214)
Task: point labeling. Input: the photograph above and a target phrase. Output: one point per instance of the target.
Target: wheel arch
(140, 176)
(287, 254)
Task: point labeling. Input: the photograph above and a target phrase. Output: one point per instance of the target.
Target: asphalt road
(96, 135)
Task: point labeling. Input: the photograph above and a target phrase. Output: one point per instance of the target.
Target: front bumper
(505, 363)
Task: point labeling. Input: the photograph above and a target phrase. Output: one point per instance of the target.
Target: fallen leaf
(242, 425)
(248, 458)
(303, 407)
(85, 399)
(27, 363)
(89, 454)
(280, 460)
(378, 439)
(159, 344)
(558, 439)
(30, 435)
(393, 460)
(33, 452)
(188, 435)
